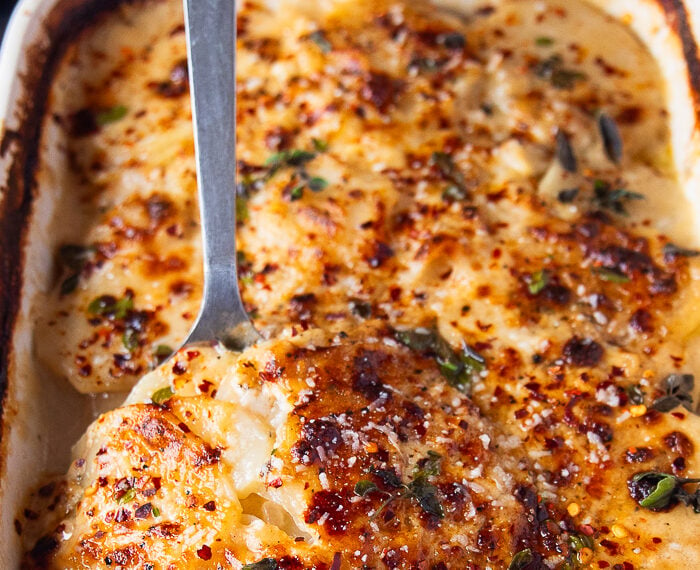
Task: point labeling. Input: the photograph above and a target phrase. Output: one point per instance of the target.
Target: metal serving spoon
(211, 49)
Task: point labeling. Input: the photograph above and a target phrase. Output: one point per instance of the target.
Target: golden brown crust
(401, 164)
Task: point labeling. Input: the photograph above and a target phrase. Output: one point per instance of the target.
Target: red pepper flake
(205, 386)
(204, 553)
(179, 368)
(679, 415)
(603, 564)
(210, 506)
(656, 540)
(192, 354)
(275, 483)
(587, 529)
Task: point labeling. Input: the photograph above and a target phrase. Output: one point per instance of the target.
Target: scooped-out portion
(342, 451)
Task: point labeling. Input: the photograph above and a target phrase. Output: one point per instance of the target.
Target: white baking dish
(40, 420)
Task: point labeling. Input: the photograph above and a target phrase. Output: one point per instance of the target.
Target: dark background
(5, 11)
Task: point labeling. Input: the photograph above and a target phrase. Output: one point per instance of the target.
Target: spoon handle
(211, 44)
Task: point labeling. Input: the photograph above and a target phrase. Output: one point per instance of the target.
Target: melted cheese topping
(426, 169)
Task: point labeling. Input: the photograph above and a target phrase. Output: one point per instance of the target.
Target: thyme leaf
(109, 306)
(460, 369)
(162, 395)
(553, 70)
(672, 251)
(521, 560)
(615, 199)
(451, 173)
(111, 115)
(320, 39)
(264, 564)
(565, 152)
(538, 281)
(612, 141)
(677, 391)
(611, 275)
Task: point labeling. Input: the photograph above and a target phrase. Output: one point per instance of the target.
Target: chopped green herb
(538, 281)
(320, 39)
(316, 184)
(568, 196)
(109, 306)
(635, 395)
(155, 510)
(364, 487)
(127, 497)
(360, 308)
(163, 350)
(611, 275)
(419, 488)
(74, 259)
(111, 115)
(521, 560)
(70, 284)
(296, 193)
(130, 339)
(264, 564)
(449, 171)
(289, 158)
(162, 395)
(544, 41)
(319, 145)
(678, 391)
(241, 209)
(611, 199)
(552, 69)
(672, 251)
(460, 369)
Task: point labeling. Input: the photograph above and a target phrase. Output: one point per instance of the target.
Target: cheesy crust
(489, 186)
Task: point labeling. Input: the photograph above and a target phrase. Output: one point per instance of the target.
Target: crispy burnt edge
(67, 20)
(678, 20)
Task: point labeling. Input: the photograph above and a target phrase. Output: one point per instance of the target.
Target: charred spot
(392, 558)
(679, 443)
(271, 372)
(207, 455)
(413, 422)
(601, 429)
(582, 351)
(556, 293)
(334, 507)
(158, 207)
(43, 548)
(278, 138)
(381, 252)
(301, 306)
(289, 563)
(176, 85)
(365, 379)
(381, 90)
(83, 123)
(165, 530)
(388, 478)
(641, 321)
(638, 455)
(487, 539)
(143, 512)
(319, 439)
